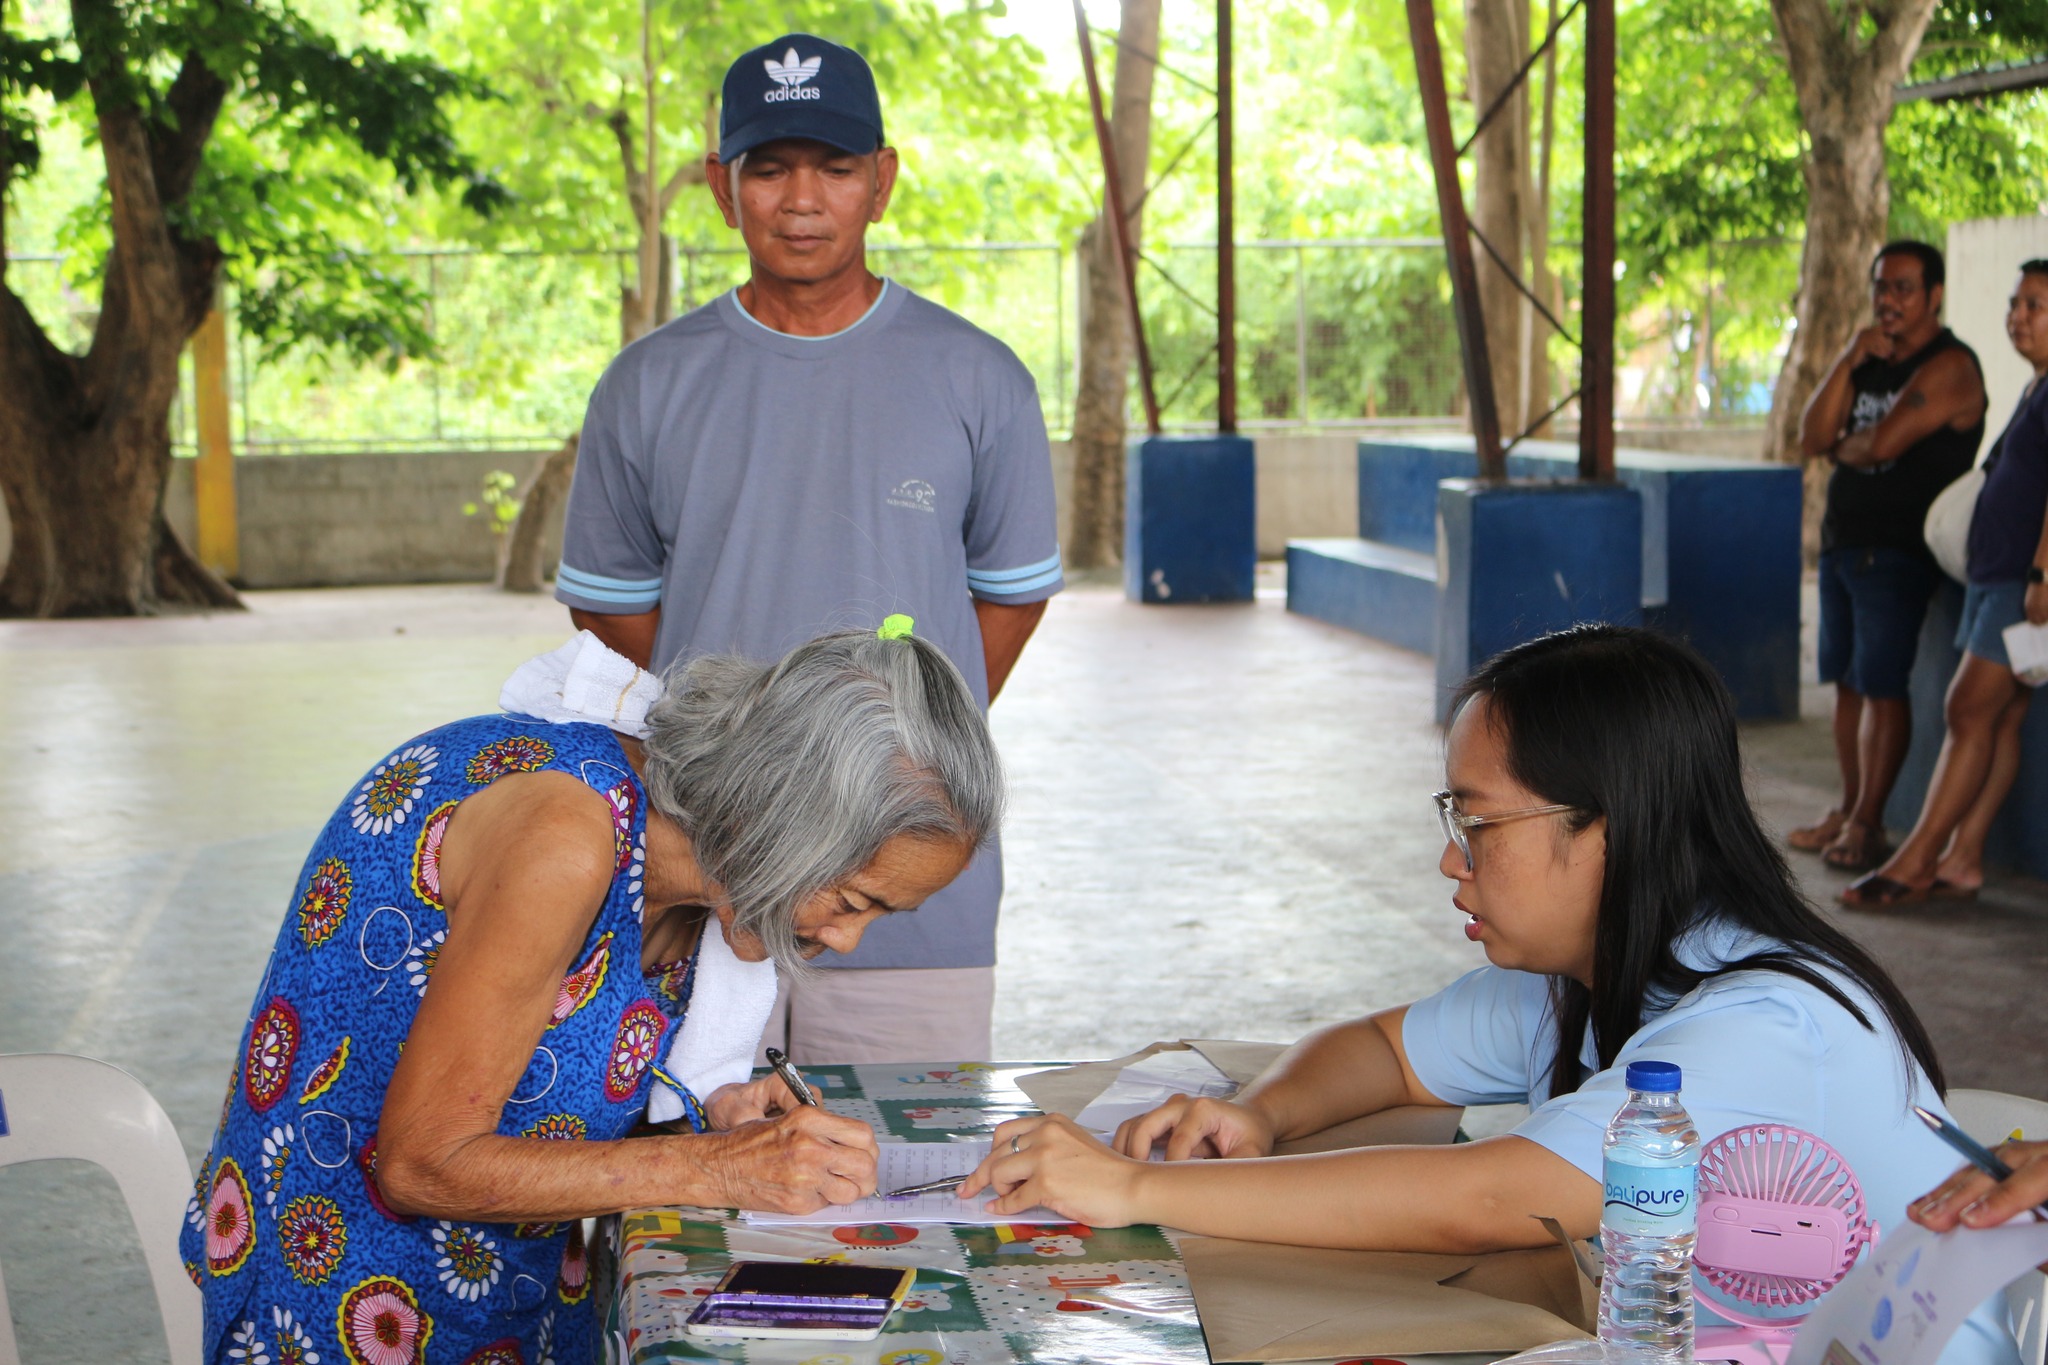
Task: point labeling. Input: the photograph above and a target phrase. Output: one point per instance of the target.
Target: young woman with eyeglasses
(1606, 858)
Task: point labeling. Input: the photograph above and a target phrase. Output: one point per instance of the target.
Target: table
(1034, 1295)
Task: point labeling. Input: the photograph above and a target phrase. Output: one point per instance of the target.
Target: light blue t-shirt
(762, 489)
(1754, 1047)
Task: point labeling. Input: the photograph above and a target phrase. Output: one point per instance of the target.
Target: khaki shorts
(884, 1014)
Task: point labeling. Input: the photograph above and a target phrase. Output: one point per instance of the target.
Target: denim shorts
(1872, 601)
(1988, 608)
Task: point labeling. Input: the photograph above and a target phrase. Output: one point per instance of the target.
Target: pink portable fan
(1781, 1221)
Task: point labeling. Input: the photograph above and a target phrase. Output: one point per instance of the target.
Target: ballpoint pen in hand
(929, 1186)
(791, 1078)
(1974, 1151)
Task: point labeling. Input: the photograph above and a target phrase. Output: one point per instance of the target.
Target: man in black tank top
(1900, 416)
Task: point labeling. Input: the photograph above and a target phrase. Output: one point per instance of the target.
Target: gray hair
(789, 778)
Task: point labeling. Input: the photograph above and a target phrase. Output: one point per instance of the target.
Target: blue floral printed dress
(297, 1255)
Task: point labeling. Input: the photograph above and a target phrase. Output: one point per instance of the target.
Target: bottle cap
(1656, 1077)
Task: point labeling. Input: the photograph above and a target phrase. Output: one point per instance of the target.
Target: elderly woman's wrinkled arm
(526, 865)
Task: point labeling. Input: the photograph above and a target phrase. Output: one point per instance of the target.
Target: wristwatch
(2036, 574)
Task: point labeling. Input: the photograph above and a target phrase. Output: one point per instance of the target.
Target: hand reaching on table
(796, 1162)
(1197, 1128)
(1055, 1162)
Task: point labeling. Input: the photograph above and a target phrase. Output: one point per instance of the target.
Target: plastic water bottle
(1648, 1223)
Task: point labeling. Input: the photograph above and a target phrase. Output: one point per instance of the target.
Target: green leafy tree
(611, 107)
(239, 140)
(1791, 130)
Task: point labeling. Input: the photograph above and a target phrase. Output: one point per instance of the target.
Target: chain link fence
(1332, 334)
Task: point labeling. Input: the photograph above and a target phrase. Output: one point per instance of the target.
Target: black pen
(1978, 1155)
(929, 1186)
(791, 1078)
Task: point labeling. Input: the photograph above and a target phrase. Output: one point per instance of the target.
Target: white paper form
(1906, 1298)
(1143, 1086)
(914, 1163)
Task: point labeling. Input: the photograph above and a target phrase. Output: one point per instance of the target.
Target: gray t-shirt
(762, 489)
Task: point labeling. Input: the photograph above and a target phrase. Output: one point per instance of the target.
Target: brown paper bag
(1260, 1302)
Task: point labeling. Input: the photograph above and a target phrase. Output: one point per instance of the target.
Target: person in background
(814, 447)
(1900, 416)
(1630, 907)
(1943, 858)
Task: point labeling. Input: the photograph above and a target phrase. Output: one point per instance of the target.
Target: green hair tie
(896, 627)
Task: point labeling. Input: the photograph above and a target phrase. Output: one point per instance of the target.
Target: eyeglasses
(1456, 823)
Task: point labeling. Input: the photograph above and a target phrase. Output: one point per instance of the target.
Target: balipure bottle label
(1656, 1201)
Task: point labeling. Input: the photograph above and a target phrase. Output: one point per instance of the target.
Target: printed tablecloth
(1042, 1295)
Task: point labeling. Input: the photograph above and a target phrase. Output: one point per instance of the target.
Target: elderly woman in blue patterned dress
(493, 941)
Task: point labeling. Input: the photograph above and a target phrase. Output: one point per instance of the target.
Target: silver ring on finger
(1014, 1148)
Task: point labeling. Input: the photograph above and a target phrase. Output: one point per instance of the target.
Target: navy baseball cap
(799, 85)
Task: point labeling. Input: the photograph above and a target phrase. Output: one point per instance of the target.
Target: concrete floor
(1220, 828)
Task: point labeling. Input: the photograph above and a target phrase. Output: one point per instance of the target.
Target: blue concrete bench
(1720, 539)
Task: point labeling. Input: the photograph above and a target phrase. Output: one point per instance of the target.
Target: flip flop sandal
(1817, 836)
(1878, 892)
(1945, 890)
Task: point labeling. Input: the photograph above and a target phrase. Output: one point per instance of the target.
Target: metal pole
(1301, 331)
(1059, 332)
(213, 473)
(1450, 201)
(434, 370)
(1120, 223)
(1596, 355)
(1226, 233)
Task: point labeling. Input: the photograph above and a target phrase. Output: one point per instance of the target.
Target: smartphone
(801, 1299)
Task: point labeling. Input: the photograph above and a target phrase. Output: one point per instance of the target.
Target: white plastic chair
(1991, 1117)
(55, 1106)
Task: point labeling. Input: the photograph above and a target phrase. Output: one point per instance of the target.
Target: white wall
(1984, 256)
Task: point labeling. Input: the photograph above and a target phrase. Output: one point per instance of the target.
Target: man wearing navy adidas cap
(818, 449)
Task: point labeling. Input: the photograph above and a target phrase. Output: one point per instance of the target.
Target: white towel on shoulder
(729, 1007)
(583, 680)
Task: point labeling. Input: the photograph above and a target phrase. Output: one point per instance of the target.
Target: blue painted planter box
(1520, 560)
(1191, 530)
(1719, 547)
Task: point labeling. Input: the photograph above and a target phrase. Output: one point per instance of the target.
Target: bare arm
(1004, 629)
(1827, 412)
(1945, 392)
(1338, 1073)
(526, 864)
(1476, 1196)
(632, 635)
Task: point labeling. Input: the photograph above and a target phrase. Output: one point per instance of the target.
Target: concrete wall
(331, 520)
(396, 517)
(1984, 258)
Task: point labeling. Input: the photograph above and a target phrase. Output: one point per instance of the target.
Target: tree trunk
(85, 446)
(1496, 44)
(1103, 392)
(1843, 80)
(523, 569)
